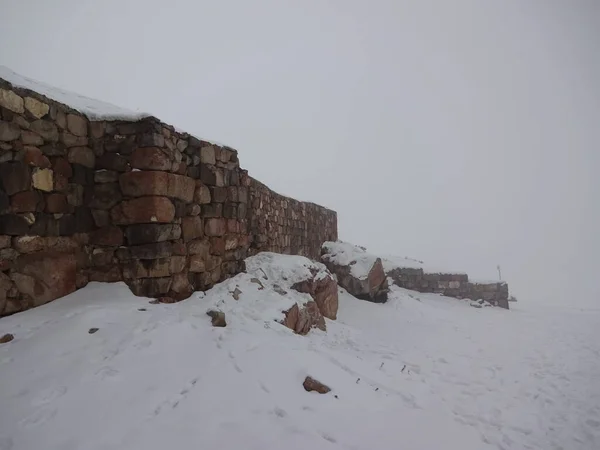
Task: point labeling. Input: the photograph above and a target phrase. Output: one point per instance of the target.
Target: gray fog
(463, 133)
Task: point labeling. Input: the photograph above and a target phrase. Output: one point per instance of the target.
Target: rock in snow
(358, 271)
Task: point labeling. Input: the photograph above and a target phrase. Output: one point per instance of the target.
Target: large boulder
(358, 271)
(323, 289)
(301, 319)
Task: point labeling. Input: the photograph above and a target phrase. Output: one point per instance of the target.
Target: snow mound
(345, 254)
(93, 109)
(421, 371)
(391, 262)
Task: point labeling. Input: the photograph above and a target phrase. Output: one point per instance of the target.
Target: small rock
(218, 318)
(236, 294)
(93, 330)
(154, 302)
(166, 300)
(142, 309)
(279, 290)
(257, 281)
(6, 338)
(310, 384)
(36, 108)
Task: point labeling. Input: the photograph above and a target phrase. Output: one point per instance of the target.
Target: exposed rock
(202, 193)
(82, 155)
(43, 180)
(36, 108)
(143, 210)
(359, 272)
(9, 131)
(310, 385)
(93, 330)
(302, 319)
(31, 138)
(324, 291)
(218, 318)
(77, 125)
(236, 294)
(34, 157)
(11, 101)
(6, 338)
(45, 129)
(150, 158)
(207, 155)
(45, 276)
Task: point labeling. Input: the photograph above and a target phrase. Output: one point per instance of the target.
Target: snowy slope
(419, 372)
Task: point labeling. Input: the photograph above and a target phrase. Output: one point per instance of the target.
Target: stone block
(32, 244)
(106, 274)
(101, 217)
(61, 166)
(11, 101)
(212, 210)
(151, 140)
(217, 245)
(202, 193)
(33, 156)
(70, 140)
(43, 179)
(197, 264)
(106, 176)
(137, 184)
(36, 108)
(45, 129)
(56, 204)
(218, 194)
(31, 138)
(77, 125)
(143, 210)
(110, 236)
(82, 155)
(192, 228)
(112, 161)
(105, 196)
(14, 177)
(151, 251)
(150, 287)
(27, 201)
(215, 227)
(150, 158)
(13, 225)
(207, 155)
(199, 247)
(208, 175)
(147, 233)
(9, 131)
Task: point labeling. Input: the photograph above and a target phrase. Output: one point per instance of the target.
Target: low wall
(450, 284)
(138, 202)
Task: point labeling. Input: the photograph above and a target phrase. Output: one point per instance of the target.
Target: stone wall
(283, 225)
(138, 202)
(450, 284)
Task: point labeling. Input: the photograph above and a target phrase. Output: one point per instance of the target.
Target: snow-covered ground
(419, 372)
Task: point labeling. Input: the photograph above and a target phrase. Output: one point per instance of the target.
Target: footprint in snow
(49, 395)
(39, 416)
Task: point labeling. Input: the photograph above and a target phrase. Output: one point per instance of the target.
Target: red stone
(57, 204)
(143, 210)
(34, 157)
(27, 201)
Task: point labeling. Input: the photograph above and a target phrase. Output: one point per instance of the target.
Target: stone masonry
(138, 202)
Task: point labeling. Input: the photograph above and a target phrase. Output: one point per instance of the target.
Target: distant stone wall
(283, 225)
(450, 284)
(138, 202)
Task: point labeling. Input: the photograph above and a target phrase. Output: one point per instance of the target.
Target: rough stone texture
(301, 319)
(138, 202)
(373, 287)
(324, 291)
(310, 385)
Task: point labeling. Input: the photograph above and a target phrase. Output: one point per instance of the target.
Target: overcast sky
(465, 133)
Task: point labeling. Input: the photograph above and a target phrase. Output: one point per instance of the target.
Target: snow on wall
(90, 192)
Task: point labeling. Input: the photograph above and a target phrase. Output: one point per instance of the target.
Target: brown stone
(61, 166)
(9, 131)
(106, 176)
(6, 338)
(199, 247)
(75, 193)
(150, 158)
(31, 138)
(143, 210)
(137, 184)
(312, 385)
(5, 241)
(112, 161)
(207, 155)
(217, 245)
(97, 129)
(13, 225)
(70, 140)
(217, 318)
(26, 201)
(106, 274)
(105, 196)
(82, 155)
(181, 286)
(151, 251)
(150, 287)
(33, 156)
(103, 257)
(56, 204)
(324, 292)
(208, 175)
(192, 228)
(153, 268)
(77, 125)
(45, 276)
(215, 227)
(110, 236)
(214, 210)
(197, 264)
(45, 129)
(148, 233)
(14, 177)
(218, 194)
(36, 108)
(193, 209)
